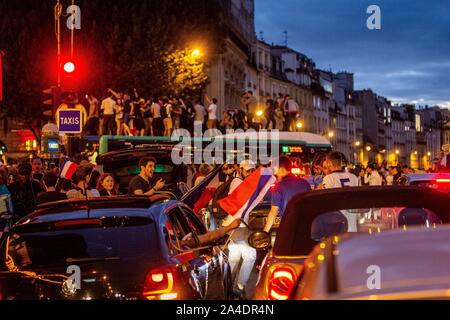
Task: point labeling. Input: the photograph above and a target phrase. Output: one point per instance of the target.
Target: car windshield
(370, 220)
(34, 250)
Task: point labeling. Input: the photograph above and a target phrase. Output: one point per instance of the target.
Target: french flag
(199, 197)
(249, 194)
(68, 168)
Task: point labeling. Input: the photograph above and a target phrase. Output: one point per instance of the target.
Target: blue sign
(70, 121)
(53, 145)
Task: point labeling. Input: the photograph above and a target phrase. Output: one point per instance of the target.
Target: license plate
(276, 223)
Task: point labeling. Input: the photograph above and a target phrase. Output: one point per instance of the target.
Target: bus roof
(289, 138)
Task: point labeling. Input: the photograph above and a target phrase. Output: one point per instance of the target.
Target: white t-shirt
(374, 179)
(156, 110)
(108, 105)
(212, 112)
(199, 113)
(339, 179)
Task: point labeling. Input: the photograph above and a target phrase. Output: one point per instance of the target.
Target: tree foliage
(185, 73)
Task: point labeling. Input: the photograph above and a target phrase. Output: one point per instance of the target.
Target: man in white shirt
(108, 106)
(292, 109)
(373, 178)
(158, 124)
(338, 178)
(212, 115)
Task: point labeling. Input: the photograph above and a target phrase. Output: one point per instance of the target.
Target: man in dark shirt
(287, 187)
(51, 195)
(24, 191)
(140, 185)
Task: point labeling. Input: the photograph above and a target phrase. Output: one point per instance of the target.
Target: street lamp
(369, 148)
(358, 144)
(299, 125)
(397, 152)
(196, 53)
(331, 134)
(429, 154)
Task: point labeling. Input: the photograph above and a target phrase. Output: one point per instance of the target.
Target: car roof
(417, 259)
(294, 234)
(428, 176)
(97, 207)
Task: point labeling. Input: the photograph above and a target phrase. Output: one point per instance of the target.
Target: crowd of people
(120, 113)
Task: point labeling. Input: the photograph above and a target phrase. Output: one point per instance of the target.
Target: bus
(299, 145)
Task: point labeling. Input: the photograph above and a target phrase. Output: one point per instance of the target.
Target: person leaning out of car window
(107, 186)
(82, 178)
(141, 184)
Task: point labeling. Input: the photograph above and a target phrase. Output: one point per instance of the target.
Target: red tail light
(447, 181)
(78, 223)
(160, 284)
(282, 282)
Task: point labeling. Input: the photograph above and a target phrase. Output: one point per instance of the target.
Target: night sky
(408, 60)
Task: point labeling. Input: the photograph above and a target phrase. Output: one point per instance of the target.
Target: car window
(31, 250)
(193, 222)
(371, 220)
(175, 231)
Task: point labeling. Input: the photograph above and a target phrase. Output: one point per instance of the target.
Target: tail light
(160, 283)
(282, 282)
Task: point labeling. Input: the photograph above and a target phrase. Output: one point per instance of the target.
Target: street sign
(70, 121)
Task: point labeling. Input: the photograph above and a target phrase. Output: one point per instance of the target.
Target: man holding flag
(246, 192)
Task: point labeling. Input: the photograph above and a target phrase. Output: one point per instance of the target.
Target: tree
(186, 73)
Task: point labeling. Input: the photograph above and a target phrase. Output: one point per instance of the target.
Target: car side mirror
(260, 240)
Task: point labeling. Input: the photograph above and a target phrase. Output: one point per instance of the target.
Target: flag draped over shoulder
(67, 169)
(249, 194)
(199, 197)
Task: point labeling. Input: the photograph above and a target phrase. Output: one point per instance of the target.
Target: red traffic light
(69, 67)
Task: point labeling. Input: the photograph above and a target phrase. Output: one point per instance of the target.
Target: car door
(194, 267)
(216, 271)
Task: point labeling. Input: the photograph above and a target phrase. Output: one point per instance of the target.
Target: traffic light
(53, 100)
(69, 82)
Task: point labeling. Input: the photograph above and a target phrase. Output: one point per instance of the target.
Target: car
(124, 166)
(396, 265)
(314, 216)
(437, 181)
(126, 248)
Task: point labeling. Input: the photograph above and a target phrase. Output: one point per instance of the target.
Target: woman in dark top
(107, 186)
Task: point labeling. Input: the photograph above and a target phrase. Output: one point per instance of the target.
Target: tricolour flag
(199, 197)
(249, 194)
(68, 168)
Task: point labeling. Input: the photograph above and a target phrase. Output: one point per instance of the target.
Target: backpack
(221, 193)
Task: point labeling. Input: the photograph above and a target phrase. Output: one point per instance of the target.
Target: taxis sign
(70, 121)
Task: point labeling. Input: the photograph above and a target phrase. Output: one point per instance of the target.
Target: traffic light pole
(58, 12)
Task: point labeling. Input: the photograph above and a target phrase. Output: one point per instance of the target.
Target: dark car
(314, 216)
(124, 166)
(126, 248)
